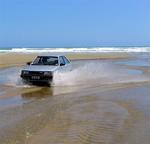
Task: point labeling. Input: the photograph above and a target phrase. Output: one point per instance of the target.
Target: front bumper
(36, 78)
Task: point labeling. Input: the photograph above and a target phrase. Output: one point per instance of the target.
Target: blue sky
(74, 23)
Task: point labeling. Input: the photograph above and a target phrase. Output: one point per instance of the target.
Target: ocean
(77, 50)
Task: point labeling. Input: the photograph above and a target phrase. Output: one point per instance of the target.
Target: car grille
(36, 73)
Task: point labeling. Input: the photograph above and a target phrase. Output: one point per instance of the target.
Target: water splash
(11, 77)
(82, 73)
(89, 73)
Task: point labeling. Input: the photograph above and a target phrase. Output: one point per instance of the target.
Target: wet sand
(112, 112)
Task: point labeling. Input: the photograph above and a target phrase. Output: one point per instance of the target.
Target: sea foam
(77, 50)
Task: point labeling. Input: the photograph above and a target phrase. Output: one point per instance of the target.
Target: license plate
(36, 77)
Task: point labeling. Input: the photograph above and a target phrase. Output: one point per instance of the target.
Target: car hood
(40, 68)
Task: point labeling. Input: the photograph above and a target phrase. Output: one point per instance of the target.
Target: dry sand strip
(14, 59)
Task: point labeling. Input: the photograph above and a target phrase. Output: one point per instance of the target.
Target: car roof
(53, 55)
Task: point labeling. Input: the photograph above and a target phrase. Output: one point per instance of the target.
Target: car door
(68, 65)
(62, 63)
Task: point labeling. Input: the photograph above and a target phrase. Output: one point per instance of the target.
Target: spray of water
(96, 72)
(85, 73)
(11, 77)
(82, 74)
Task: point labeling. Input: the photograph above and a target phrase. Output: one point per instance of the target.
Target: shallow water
(142, 60)
(135, 63)
(12, 102)
(83, 72)
(133, 72)
(83, 75)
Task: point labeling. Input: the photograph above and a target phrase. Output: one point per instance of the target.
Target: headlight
(25, 72)
(48, 73)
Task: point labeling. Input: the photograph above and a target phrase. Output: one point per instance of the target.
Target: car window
(62, 60)
(66, 60)
(46, 60)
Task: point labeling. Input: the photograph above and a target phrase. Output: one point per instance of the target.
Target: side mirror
(28, 63)
(62, 64)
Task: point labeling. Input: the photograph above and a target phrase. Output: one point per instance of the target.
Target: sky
(74, 23)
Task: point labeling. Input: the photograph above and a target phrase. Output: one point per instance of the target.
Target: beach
(13, 59)
(105, 99)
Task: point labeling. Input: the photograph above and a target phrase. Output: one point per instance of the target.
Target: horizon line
(80, 46)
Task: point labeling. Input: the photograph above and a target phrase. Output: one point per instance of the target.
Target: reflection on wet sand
(47, 92)
(44, 92)
(99, 116)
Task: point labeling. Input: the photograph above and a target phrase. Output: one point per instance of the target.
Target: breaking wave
(77, 50)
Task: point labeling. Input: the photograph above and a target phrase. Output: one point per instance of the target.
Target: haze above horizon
(78, 23)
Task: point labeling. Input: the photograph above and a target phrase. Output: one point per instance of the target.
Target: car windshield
(46, 60)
